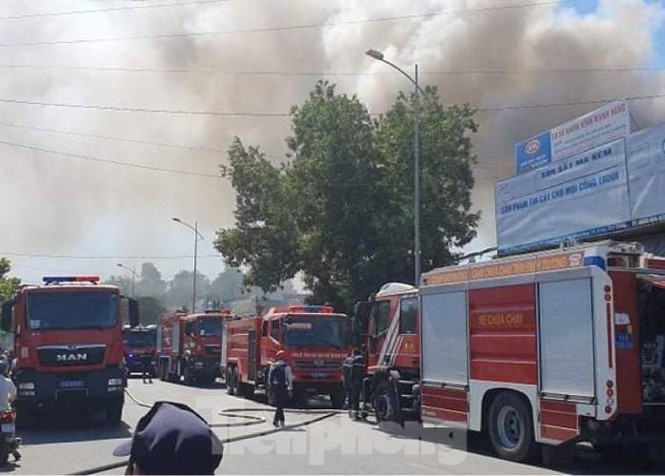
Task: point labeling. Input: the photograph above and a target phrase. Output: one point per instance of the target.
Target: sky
(115, 115)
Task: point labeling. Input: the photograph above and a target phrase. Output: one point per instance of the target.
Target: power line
(105, 257)
(146, 110)
(287, 115)
(564, 104)
(113, 9)
(162, 144)
(113, 138)
(220, 72)
(278, 28)
(109, 161)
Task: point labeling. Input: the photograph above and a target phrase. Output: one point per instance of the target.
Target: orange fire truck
(313, 337)
(392, 349)
(189, 346)
(68, 345)
(548, 348)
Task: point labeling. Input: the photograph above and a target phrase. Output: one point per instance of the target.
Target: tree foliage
(341, 210)
(8, 285)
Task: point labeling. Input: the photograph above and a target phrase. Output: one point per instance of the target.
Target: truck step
(407, 382)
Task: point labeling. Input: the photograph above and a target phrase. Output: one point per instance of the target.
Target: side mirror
(6, 323)
(133, 311)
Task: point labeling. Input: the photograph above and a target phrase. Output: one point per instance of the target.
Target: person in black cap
(172, 439)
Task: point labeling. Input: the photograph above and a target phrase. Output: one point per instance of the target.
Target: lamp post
(197, 235)
(131, 270)
(377, 55)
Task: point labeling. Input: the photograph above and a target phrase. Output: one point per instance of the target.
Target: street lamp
(131, 270)
(197, 235)
(377, 55)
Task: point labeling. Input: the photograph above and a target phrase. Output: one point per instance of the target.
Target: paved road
(333, 445)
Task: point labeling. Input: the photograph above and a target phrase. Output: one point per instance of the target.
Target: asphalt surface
(314, 442)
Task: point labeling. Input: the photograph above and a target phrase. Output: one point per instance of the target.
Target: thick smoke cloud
(63, 205)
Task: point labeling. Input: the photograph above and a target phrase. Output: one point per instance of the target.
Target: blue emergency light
(71, 279)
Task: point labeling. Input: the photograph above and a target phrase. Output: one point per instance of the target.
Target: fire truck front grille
(317, 365)
(213, 349)
(71, 355)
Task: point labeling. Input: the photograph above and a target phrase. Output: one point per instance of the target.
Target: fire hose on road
(231, 413)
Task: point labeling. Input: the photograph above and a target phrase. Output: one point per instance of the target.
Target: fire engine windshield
(301, 331)
(210, 326)
(72, 310)
(139, 339)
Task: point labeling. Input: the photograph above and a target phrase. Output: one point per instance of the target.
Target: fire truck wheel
(385, 403)
(25, 417)
(246, 390)
(511, 428)
(114, 413)
(337, 398)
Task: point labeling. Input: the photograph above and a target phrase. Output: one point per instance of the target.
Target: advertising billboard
(605, 124)
(583, 196)
(646, 171)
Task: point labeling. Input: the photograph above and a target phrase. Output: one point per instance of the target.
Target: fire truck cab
(68, 345)
(139, 341)
(314, 339)
(549, 348)
(390, 335)
(189, 346)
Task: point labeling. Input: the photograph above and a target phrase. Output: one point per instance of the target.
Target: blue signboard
(533, 153)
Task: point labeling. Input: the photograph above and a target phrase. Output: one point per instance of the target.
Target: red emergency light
(71, 279)
(312, 309)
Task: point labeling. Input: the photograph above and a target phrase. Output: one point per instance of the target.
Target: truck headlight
(26, 386)
(113, 382)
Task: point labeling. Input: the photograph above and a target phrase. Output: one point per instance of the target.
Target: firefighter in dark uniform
(281, 385)
(146, 364)
(347, 367)
(357, 377)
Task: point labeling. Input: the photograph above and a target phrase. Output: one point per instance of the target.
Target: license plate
(318, 375)
(72, 384)
(8, 428)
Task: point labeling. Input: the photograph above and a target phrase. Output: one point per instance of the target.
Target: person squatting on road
(172, 439)
(357, 377)
(7, 394)
(146, 364)
(281, 385)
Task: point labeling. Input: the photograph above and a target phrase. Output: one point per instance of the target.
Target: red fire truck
(549, 348)
(390, 333)
(68, 345)
(139, 341)
(189, 346)
(314, 339)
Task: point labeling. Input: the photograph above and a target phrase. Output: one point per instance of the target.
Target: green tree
(150, 282)
(228, 285)
(342, 210)
(8, 285)
(179, 292)
(150, 309)
(265, 238)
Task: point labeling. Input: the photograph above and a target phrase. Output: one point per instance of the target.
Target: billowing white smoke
(64, 205)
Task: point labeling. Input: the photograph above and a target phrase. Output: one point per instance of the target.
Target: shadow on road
(586, 462)
(71, 427)
(9, 467)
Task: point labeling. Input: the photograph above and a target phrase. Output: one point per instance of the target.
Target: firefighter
(347, 367)
(281, 386)
(146, 364)
(357, 377)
